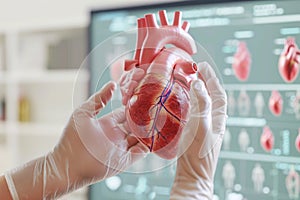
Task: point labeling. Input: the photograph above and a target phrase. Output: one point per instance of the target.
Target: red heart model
(275, 103)
(242, 62)
(267, 139)
(156, 82)
(288, 64)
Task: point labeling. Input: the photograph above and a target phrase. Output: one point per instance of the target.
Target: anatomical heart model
(288, 64)
(156, 83)
(267, 139)
(242, 62)
(275, 103)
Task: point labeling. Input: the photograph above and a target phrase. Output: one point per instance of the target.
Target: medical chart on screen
(255, 46)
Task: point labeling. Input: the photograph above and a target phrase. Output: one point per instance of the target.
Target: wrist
(188, 187)
(193, 180)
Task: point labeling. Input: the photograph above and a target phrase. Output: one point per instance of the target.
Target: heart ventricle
(157, 112)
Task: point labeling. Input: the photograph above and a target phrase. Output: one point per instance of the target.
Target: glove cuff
(11, 186)
(200, 190)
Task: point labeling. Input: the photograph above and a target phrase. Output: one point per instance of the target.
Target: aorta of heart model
(275, 103)
(267, 139)
(288, 64)
(297, 142)
(242, 62)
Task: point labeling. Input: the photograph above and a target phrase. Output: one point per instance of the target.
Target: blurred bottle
(2, 109)
(24, 109)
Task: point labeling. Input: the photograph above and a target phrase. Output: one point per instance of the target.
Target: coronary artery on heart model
(156, 82)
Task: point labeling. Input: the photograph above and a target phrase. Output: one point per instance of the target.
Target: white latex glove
(196, 167)
(89, 150)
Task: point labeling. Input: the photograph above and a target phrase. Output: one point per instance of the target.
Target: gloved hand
(196, 167)
(89, 150)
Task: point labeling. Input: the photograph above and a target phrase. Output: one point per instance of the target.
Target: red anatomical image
(242, 62)
(267, 139)
(275, 103)
(288, 64)
(297, 142)
(156, 83)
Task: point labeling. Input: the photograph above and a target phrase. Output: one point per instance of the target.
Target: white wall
(14, 13)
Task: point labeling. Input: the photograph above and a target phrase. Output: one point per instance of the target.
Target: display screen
(254, 45)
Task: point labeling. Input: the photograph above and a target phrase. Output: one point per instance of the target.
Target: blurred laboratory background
(47, 69)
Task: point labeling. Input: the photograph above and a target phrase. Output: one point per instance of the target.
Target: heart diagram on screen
(288, 64)
(297, 142)
(242, 62)
(156, 82)
(267, 139)
(275, 103)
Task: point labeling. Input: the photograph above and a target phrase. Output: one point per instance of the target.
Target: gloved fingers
(128, 91)
(97, 101)
(206, 71)
(219, 105)
(129, 82)
(115, 121)
(216, 120)
(131, 140)
(209, 143)
(118, 115)
(199, 116)
(218, 97)
(200, 99)
(138, 151)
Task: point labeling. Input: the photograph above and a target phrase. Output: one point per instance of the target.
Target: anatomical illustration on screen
(267, 139)
(275, 103)
(242, 62)
(288, 63)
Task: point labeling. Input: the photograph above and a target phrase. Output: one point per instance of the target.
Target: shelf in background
(246, 121)
(44, 76)
(38, 129)
(32, 128)
(37, 25)
(262, 87)
(258, 157)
